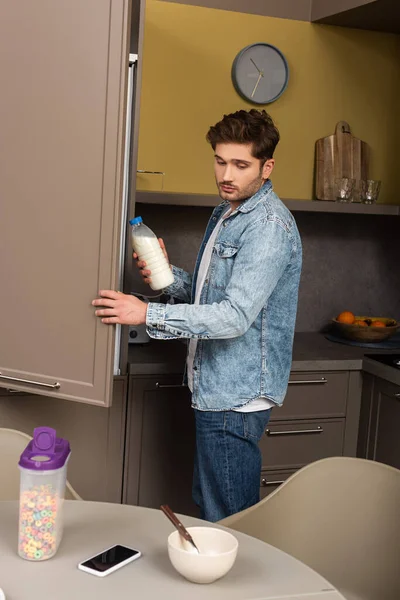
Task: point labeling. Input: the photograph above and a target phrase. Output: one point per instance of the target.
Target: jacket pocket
(222, 265)
(225, 249)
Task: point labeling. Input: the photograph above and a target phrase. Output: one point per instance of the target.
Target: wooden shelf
(341, 207)
(211, 200)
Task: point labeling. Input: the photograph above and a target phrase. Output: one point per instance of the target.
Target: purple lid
(45, 452)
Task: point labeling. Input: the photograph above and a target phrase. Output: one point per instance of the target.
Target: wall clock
(260, 73)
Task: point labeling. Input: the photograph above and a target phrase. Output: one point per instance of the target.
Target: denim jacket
(246, 318)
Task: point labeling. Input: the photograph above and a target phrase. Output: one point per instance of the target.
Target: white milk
(147, 247)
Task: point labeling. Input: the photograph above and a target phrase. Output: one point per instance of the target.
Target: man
(237, 310)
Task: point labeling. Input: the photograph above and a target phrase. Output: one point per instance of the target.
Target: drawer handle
(162, 386)
(397, 396)
(266, 483)
(305, 381)
(53, 386)
(294, 431)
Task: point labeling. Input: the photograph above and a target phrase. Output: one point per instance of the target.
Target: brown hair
(246, 127)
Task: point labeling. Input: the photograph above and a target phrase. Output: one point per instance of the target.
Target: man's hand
(146, 273)
(122, 309)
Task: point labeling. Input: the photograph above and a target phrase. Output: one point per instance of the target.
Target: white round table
(261, 572)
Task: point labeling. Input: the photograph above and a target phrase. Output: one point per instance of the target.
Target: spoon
(179, 526)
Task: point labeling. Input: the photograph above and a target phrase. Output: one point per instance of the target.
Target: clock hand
(258, 81)
(255, 65)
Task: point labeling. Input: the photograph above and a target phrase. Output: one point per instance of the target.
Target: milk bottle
(147, 247)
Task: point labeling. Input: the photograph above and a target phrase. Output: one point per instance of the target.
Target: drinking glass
(344, 189)
(369, 190)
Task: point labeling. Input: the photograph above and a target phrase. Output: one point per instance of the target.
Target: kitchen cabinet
(160, 444)
(319, 418)
(380, 422)
(314, 394)
(377, 15)
(64, 69)
(96, 435)
(295, 444)
(324, 8)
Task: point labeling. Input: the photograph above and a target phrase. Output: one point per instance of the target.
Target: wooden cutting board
(339, 155)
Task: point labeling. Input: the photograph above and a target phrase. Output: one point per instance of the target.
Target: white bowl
(218, 551)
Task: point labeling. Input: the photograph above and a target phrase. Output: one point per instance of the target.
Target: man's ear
(268, 168)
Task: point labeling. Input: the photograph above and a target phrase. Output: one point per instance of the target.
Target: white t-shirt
(258, 403)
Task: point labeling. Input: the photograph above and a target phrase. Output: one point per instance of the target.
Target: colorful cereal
(38, 522)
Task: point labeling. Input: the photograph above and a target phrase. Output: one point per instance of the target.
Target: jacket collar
(251, 203)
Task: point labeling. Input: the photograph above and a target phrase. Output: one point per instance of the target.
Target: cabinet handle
(266, 483)
(304, 381)
(161, 386)
(397, 396)
(53, 386)
(294, 431)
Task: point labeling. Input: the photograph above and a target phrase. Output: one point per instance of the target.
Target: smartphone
(109, 560)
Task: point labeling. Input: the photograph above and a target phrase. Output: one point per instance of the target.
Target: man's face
(238, 174)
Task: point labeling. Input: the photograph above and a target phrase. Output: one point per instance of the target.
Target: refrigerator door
(125, 198)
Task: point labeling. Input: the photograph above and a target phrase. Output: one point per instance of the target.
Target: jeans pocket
(255, 423)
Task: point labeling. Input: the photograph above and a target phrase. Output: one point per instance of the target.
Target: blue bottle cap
(135, 221)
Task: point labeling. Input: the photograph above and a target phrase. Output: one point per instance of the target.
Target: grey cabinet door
(160, 444)
(314, 395)
(64, 69)
(294, 444)
(385, 425)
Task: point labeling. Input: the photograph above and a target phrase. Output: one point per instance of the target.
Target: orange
(360, 323)
(346, 317)
(378, 324)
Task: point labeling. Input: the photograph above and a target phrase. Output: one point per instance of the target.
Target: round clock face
(260, 73)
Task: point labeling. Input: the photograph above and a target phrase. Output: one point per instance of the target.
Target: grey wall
(350, 261)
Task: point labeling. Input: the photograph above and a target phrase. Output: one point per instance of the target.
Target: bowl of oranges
(364, 329)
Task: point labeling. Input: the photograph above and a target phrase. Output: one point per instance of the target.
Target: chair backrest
(12, 444)
(340, 516)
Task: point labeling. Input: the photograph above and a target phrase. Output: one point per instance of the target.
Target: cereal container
(43, 466)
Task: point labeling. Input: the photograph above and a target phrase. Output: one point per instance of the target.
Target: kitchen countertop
(311, 352)
(383, 371)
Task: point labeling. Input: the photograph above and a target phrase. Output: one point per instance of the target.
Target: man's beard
(241, 194)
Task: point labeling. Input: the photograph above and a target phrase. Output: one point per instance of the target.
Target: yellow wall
(335, 74)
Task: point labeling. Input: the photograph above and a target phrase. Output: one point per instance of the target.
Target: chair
(340, 516)
(12, 444)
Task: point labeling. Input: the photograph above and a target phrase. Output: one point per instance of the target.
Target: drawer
(271, 480)
(292, 444)
(314, 395)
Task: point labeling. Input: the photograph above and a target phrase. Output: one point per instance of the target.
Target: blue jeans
(228, 461)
